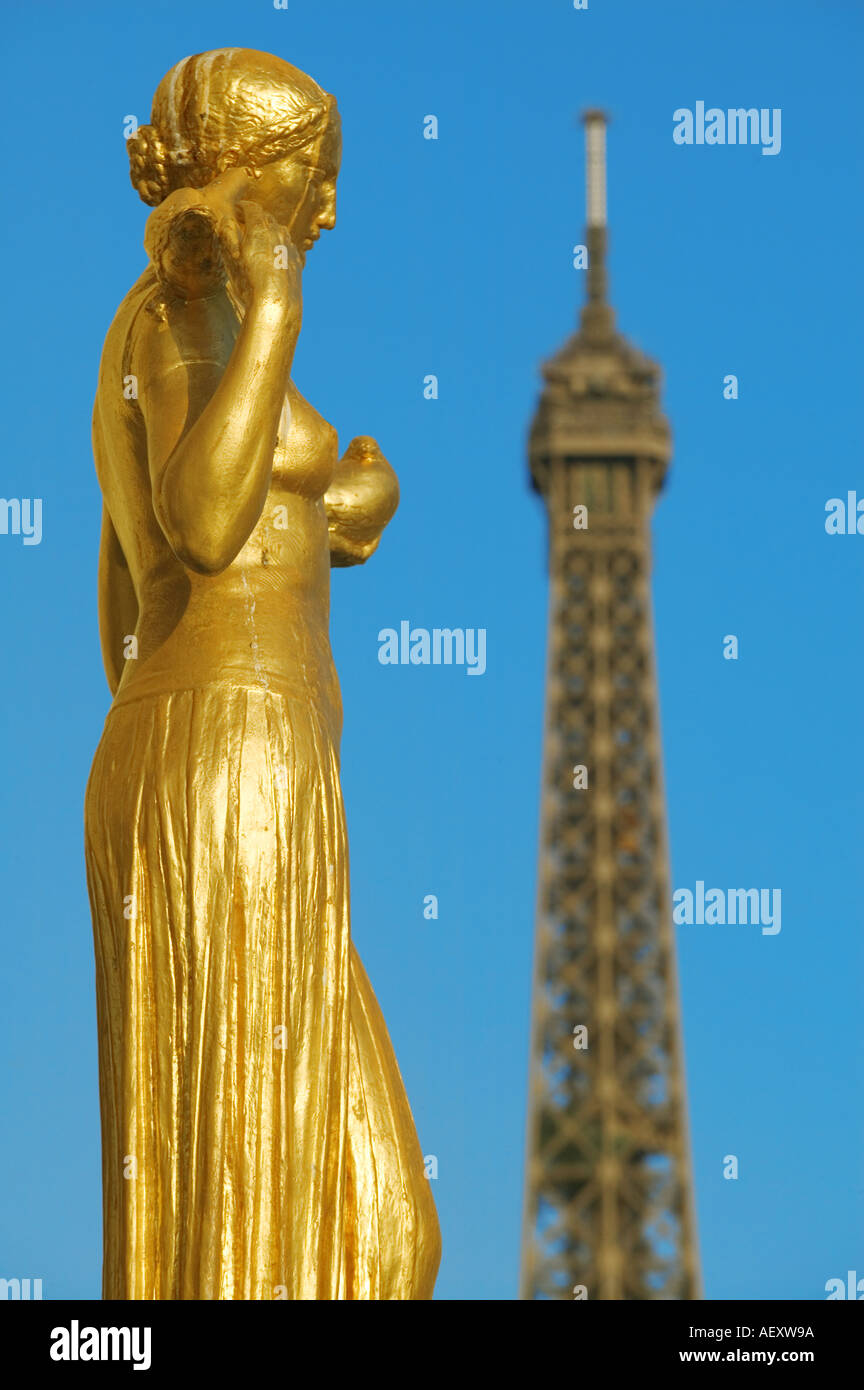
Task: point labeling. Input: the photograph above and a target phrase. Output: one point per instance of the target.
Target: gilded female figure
(257, 1140)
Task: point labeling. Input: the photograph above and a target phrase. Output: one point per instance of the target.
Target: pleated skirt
(257, 1140)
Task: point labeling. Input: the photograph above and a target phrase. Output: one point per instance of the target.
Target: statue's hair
(230, 108)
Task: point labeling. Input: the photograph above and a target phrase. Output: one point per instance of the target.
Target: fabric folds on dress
(257, 1140)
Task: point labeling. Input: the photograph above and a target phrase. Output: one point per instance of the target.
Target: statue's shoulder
(157, 330)
(117, 347)
(138, 307)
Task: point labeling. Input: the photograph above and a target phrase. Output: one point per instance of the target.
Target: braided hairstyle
(229, 108)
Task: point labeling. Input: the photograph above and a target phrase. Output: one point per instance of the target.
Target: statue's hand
(360, 501)
(263, 260)
(197, 238)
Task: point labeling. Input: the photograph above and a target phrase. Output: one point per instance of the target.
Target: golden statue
(257, 1140)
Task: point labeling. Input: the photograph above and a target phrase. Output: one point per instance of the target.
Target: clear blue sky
(454, 258)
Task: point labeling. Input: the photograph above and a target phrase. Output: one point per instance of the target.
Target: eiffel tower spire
(608, 1210)
(598, 320)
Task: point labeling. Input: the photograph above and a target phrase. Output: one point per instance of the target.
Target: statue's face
(299, 192)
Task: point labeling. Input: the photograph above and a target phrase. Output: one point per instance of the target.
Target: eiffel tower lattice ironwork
(608, 1210)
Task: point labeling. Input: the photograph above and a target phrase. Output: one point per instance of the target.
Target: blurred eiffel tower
(607, 1202)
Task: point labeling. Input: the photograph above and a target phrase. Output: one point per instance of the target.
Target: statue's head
(250, 123)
